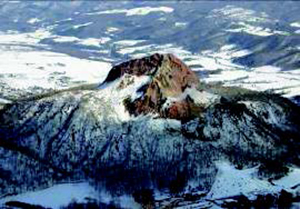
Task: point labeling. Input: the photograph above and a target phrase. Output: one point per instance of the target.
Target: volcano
(150, 115)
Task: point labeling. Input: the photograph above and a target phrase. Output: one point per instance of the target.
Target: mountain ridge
(90, 134)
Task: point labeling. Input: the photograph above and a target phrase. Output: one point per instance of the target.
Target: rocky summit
(169, 78)
(150, 115)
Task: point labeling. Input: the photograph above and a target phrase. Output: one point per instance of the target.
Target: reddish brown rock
(183, 110)
(169, 79)
(143, 66)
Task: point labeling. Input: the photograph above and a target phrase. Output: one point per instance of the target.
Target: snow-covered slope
(90, 134)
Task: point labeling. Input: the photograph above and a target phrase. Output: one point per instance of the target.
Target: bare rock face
(143, 66)
(169, 78)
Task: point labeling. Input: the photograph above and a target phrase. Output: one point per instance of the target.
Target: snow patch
(239, 14)
(290, 180)
(135, 11)
(295, 24)
(129, 42)
(123, 201)
(200, 97)
(116, 94)
(14, 37)
(112, 29)
(255, 30)
(33, 20)
(267, 69)
(130, 50)
(180, 24)
(63, 39)
(86, 42)
(56, 196)
(82, 25)
(231, 182)
(95, 41)
(4, 101)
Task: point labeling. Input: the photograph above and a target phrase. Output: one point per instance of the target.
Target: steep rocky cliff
(169, 79)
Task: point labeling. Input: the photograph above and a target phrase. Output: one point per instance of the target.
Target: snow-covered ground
(232, 182)
(45, 69)
(128, 42)
(236, 13)
(85, 42)
(61, 195)
(25, 68)
(57, 196)
(229, 182)
(31, 38)
(246, 20)
(33, 20)
(135, 11)
(295, 24)
(82, 25)
(255, 30)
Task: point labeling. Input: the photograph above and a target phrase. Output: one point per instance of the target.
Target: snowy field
(230, 182)
(27, 69)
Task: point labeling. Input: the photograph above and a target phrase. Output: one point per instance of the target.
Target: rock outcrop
(169, 78)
